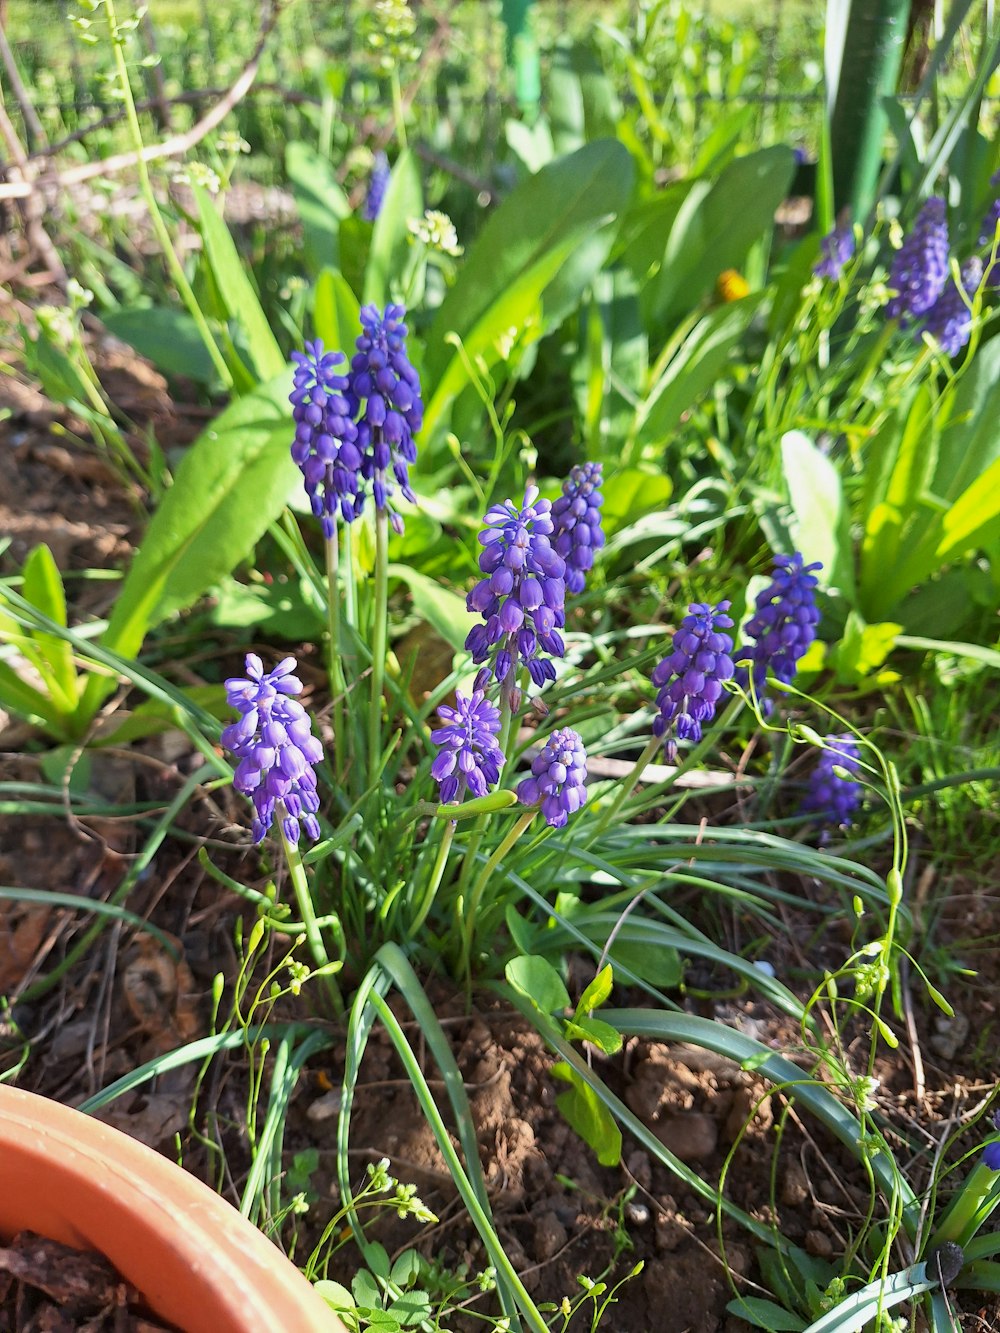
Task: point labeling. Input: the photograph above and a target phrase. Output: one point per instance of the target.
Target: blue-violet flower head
(276, 749)
(378, 183)
(382, 379)
(522, 595)
(690, 680)
(558, 779)
(837, 248)
(576, 523)
(783, 624)
(949, 318)
(325, 445)
(470, 755)
(920, 267)
(831, 797)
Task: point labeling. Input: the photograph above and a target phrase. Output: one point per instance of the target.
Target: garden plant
(511, 803)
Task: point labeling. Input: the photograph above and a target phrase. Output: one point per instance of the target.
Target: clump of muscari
(470, 757)
(950, 318)
(833, 793)
(558, 781)
(920, 267)
(690, 680)
(275, 747)
(837, 248)
(378, 183)
(383, 393)
(576, 523)
(521, 596)
(783, 624)
(325, 447)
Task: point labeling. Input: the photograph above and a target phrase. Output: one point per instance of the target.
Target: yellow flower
(732, 286)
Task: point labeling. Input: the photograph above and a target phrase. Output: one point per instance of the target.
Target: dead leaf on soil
(22, 929)
(160, 992)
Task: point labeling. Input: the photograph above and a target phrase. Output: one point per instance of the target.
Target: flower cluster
(378, 183)
(690, 680)
(471, 756)
(834, 797)
(576, 523)
(383, 392)
(783, 624)
(837, 249)
(558, 779)
(276, 749)
(988, 230)
(325, 447)
(437, 231)
(950, 318)
(991, 1152)
(522, 596)
(920, 268)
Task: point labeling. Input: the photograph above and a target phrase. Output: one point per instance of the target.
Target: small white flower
(437, 231)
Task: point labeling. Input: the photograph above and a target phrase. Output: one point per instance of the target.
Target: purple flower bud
(831, 798)
(837, 248)
(783, 625)
(324, 445)
(378, 183)
(688, 693)
(920, 267)
(949, 318)
(576, 523)
(275, 748)
(470, 755)
(558, 781)
(991, 1155)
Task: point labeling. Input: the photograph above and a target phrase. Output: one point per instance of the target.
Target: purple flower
(834, 799)
(382, 378)
(576, 523)
(690, 680)
(991, 1155)
(378, 183)
(837, 248)
(558, 779)
(522, 596)
(276, 749)
(949, 318)
(324, 446)
(470, 756)
(920, 268)
(988, 230)
(783, 624)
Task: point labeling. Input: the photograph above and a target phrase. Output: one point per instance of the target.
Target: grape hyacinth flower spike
(690, 680)
(837, 248)
(831, 797)
(470, 756)
(325, 447)
(576, 523)
(920, 267)
(275, 747)
(521, 596)
(378, 183)
(383, 392)
(558, 781)
(949, 318)
(783, 625)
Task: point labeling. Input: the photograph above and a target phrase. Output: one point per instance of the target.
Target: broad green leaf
(336, 313)
(276, 609)
(974, 518)
(411, 1309)
(766, 1315)
(404, 199)
(970, 441)
(335, 1294)
(587, 1114)
(231, 483)
(539, 982)
(236, 290)
(596, 1031)
(597, 992)
(863, 648)
(321, 202)
(652, 962)
(440, 607)
(532, 144)
(820, 514)
(168, 337)
(43, 588)
(632, 493)
(22, 699)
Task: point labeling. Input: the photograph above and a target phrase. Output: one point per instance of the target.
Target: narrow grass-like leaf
(855, 1311)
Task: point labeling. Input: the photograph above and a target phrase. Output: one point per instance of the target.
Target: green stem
(468, 924)
(398, 114)
(475, 841)
(627, 788)
(155, 216)
(434, 883)
(968, 1211)
(303, 899)
(338, 683)
(380, 638)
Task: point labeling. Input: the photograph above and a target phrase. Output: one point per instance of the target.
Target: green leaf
(168, 337)
(597, 992)
(411, 1309)
(22, 699)
(862, 649)
(444, 610)
(587, 1114)
(652, 962)
(377, 1259)
(974, 518)
(335, 1295)
(404, 199)
(598, 1033)
(766, 1315)
(276, 609)
(336, 313)
(367, 1292)
(538, 981)
(970, 441)
(321, 203)
(631, 494)
(406, 1269)
(43, 588)
(232, 482)
(821, 518)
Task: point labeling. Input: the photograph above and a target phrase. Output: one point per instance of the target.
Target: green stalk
(475, 841)
(468, 924)
(338, 684)
(398, 114)
(303, 898)
(155, 216)
(434, 883)
(380, 638)
(626, 789)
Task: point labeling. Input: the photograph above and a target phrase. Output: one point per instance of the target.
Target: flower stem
(398, 114)
(338, 685)
(476, 838)
(303, 899)
(627, 787)
(380, 637)
(434, 883)
(468, 913)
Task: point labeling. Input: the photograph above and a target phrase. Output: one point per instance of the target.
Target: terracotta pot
(198, 1264)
